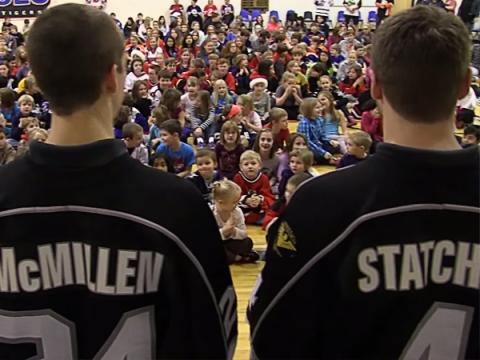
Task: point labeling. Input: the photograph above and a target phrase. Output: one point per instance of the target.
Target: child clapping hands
(231, 222)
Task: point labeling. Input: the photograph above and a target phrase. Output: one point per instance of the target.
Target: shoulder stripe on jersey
(342, 237)
(135, 219)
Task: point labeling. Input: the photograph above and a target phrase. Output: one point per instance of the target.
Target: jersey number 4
(54, 336)
(442, 333)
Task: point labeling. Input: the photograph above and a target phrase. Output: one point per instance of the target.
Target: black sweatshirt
(376, 261)
(103, 256)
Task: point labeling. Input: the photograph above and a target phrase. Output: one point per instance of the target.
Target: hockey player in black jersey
(100, 256)
(388, 266)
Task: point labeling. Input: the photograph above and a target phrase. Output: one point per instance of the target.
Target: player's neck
(82, 127)
(436, 136)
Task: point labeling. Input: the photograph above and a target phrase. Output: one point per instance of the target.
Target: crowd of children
(205, 88)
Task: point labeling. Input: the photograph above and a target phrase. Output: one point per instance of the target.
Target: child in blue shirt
(180, 155)
(333, 120)
(8, 108)
(311, 126)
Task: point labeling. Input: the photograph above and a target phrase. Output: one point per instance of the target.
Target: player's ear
(465, 86)
(375, 88)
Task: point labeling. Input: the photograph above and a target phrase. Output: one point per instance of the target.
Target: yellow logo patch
(285, 238)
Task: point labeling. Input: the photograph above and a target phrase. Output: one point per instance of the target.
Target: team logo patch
(285, 239)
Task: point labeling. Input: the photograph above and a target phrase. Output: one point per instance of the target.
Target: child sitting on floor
(172, 100)
(180, 155)
(221, 97)
(250, 119)
(261, 99)
(265, 146)
(471, 136)
(231, 222)
(161, 163)
(333, 120)
(229, 149)
(295, 141)
(358, 147)
(257, 195)
(133, 139)
(188, 100)
(26, 104)
(29, 125)
(203, 120)
(288, 95)
(372, 123)
(279, 124)
(159, 115)
(354, 83)
(311, 126)
(7, 152)
(206, 174)
(300, 162)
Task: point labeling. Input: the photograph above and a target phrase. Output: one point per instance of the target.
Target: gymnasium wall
(155, 8)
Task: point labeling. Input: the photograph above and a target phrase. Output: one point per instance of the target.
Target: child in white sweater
(231, 222)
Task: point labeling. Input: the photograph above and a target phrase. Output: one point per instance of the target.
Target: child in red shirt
(279, 124)
(210, 9)
(176, 9)
(372, 124)
(354, 83)
(257, 195)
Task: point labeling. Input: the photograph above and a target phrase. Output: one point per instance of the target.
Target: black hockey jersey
(102, 257)
(376, 261)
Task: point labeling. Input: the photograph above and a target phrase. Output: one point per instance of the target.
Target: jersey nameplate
(72, 263)
(435, 262)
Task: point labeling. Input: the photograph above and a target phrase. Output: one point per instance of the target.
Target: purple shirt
(228, 160)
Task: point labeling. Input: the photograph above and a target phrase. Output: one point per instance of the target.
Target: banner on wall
(22, 8)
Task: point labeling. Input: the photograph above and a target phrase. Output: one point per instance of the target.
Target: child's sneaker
(200, 143)
(211, 143)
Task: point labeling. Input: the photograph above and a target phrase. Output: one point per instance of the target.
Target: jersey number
(442, 333)
(54, 336)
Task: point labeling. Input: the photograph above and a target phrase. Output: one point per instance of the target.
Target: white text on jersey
(432, 262)
(64, 264)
